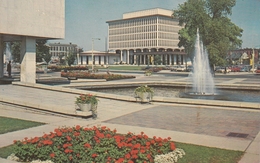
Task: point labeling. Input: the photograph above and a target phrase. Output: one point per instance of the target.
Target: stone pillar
(121, 55)
(128, 60)
(1, 58)
(134, 58)
(28, 60)
(170, 59)
(175, 59)
(144, 59)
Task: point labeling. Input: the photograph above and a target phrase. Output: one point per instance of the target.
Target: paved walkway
(201, 125)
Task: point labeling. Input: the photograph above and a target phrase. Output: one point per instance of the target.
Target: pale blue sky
(86, 19)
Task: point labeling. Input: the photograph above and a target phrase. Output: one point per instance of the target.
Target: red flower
(130, 161)
(127, 156)
(152, 141)
(120, 160)
(172, 146)
(94, 155)
(68, 138)
(137, 145)
(134, 156)
(68, 150)
(52, 155)
(87, 145)
(35, 140)
(66, 145)
(47, 142)
(77, 127)
(120, 145)
(59, 133)
(76, 133)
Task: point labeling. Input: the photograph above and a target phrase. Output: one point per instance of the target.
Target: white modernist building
(99, 58)
(141, 35)
(26, 21)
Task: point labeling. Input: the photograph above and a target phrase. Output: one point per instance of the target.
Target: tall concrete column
(175, 59)
(121, 55)
(134, 58)
(128, 60)
(28, 60)
(170, 59)
(1, 58)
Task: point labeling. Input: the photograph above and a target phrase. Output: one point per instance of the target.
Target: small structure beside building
(99, 58)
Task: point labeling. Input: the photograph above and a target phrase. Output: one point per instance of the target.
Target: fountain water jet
(201, 77)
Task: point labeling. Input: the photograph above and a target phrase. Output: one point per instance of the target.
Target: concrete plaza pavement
(195, 124)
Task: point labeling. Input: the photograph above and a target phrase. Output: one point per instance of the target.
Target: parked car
(181, 68)
(257, 71)
(220, 69)
(235, 69)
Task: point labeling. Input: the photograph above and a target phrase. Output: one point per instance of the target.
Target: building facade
(58, 50)
(141, 35)
(247, 56)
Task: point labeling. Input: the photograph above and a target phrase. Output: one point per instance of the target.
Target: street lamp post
(253, 58)
(92, 52)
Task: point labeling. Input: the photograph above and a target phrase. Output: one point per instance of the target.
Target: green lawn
(12, 124)
(201, 154)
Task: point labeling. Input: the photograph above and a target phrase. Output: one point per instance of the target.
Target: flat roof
(146, 13)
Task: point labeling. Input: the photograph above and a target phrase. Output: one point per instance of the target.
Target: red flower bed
(94, 144)
(87, 75)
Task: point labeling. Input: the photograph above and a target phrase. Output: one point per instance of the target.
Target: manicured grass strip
(12, 124)
(6, 151)
(201, 154)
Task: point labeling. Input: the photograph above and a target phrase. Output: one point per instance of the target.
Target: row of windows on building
(57, 54)
(61, 48)
(143, 21)
(147, 43)
(147, 28)
(143, 36)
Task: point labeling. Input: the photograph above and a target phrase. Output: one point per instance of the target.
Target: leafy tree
(157, 60)
(42, 51)
(217, 32)
(16, 51)
(70, 58)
